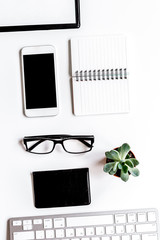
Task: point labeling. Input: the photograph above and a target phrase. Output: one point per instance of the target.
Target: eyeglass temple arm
(85, 143)
(35, 145)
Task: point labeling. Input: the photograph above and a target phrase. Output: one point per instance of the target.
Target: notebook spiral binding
(105, 74)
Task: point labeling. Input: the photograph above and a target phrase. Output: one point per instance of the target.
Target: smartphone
(39, 78)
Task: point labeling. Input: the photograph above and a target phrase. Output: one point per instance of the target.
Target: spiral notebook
(99, 75)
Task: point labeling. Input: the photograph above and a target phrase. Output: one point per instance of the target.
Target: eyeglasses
(72, 144)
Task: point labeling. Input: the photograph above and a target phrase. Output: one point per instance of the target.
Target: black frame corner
(46, 26)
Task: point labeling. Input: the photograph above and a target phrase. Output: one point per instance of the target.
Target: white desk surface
(140, 22)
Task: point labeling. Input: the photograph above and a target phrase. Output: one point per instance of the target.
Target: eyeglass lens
(74, 145)
(45, 146)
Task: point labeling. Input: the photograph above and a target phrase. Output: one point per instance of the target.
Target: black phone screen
(60, 188)
(39, 78)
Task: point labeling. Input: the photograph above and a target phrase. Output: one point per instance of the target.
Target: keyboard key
(39, 234)
(130, 228)
(70, 232)
(105, 238)
(120, 229)
(110, 230)
(149, 237)
(48, 223)
(23, 235)
(120, 218)
(89, 231)
(75, 238)
(116, 238)
(27, 227)
(151, 216)
(95, 238)
(49, 234)
(17, 223)
(85, 238)
(89, 220)
(60, 233)
(132, 218)
(100, 231)
(142, 217)
(59, 222)
(151, 227)
(27, 222)
(125, 237)
(79, 232)
(136, 237)
(37, 221)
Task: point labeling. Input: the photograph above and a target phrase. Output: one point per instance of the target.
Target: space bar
(89, 220)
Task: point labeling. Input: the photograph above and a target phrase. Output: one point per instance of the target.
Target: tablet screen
(60, 188)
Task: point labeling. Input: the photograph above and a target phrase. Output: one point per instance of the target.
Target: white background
(140, 22)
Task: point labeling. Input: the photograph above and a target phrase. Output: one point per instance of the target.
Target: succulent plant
(121, 162)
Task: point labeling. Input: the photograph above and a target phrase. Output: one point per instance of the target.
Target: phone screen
(39, 78)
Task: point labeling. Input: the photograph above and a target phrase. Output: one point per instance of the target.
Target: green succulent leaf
(119, 165)
(108, 167)
(115, 167)
(124, 176)
(129, 163)
(113, 154)
(128, 156)
(125, 168)
(134, 161)
(123, 150)
(134, 171)
(112, 172)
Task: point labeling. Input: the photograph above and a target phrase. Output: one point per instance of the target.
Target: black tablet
(61, 188)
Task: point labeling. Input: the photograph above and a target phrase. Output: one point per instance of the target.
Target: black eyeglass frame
(58, 139)
(53, 26)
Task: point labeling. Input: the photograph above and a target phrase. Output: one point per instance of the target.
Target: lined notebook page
(99, 75)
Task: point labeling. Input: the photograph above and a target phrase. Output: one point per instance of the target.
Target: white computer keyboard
(140, 224)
